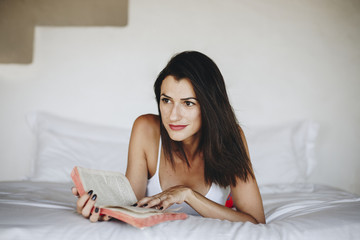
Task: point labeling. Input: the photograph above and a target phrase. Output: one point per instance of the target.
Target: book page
(111, 188)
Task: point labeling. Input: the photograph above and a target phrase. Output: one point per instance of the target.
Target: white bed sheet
(39, 210)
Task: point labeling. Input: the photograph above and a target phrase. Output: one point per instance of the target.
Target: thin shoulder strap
(159, 156)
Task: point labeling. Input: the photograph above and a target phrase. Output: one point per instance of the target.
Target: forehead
(177, 88)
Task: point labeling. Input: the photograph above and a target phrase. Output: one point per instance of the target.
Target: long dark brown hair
(221, 144)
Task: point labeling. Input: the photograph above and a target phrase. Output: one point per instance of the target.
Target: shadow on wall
(19, 17)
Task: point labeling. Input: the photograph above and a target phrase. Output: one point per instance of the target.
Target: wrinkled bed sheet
(40, 210)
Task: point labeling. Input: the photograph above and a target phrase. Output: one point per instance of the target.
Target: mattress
(44, 210)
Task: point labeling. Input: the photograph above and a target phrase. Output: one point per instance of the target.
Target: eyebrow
(188, 98)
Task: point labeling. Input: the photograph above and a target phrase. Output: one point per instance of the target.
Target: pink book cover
(134, 221)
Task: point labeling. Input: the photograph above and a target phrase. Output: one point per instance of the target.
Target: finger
(89, 206)
(95, 215)
(82, 201)
(167, 203)
(75, 191)
(105, 218)
(144, 202)
(155, 201)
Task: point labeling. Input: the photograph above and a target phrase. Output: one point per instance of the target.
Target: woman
(194, 153)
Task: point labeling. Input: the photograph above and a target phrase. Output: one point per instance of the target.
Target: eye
(165, 100)
(189, 104)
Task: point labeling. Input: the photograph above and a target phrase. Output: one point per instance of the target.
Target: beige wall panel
(19, 17)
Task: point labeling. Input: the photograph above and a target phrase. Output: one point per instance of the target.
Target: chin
(176, 137)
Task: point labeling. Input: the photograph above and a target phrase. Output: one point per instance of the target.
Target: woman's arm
(246, 198)
(137, 167)
(247, 201)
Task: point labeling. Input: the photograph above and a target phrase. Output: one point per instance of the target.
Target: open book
(115, 197)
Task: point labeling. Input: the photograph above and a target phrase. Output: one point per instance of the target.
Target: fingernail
(90, 192)
(96, 210)
(134, 205)
(161, 208)
(93, 197)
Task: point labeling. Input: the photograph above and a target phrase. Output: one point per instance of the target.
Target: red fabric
(229, 202)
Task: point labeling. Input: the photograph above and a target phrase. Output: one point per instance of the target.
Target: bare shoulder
(148, 119)
(145, 135)
(147, 125)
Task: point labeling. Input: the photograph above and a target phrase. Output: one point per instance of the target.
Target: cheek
(197, 118)
(162, 110)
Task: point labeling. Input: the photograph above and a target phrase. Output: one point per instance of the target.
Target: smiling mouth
(177, 127)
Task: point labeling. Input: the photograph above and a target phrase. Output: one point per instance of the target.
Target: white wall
(282, 60)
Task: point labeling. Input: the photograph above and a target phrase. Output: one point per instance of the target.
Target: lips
(177, 127)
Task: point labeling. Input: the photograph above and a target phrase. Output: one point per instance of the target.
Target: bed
(42, 206)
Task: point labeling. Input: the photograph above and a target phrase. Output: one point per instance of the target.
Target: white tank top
(216, 193)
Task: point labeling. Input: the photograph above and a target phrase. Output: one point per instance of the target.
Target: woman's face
(179, 109)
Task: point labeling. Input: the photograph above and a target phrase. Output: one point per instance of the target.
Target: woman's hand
(85, 206)
(164, 200)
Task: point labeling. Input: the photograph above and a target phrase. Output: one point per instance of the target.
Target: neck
(191, 146)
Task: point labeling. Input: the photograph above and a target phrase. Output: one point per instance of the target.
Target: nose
(175, 113)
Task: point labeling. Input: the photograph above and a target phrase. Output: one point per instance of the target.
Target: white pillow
(279, 154)
(283, 153)
(64, 143)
